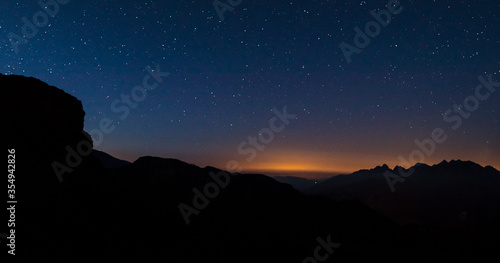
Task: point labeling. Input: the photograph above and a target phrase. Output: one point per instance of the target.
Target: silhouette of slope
(459, 198)
(109, 161)
(298, 183)
(254, 215)
(132, 212)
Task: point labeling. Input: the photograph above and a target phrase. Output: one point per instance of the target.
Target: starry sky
(228, 70)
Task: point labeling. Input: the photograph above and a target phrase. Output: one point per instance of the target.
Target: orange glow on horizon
(303, 161)
(294, 167)
(307, 163)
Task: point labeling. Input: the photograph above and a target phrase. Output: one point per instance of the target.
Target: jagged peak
(381, 168)
(458, 162)
(443, 162)
(491, 168)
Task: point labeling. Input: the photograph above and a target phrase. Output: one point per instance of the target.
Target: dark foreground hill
(109, 161)
(71, 208)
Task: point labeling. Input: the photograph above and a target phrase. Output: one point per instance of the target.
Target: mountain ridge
(457, 186)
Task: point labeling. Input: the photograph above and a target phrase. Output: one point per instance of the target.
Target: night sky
(227, 76)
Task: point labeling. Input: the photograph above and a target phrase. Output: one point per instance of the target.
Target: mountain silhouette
(455, 197)
(109, 161)
(79, 205)
(298, 183)
(436, 194)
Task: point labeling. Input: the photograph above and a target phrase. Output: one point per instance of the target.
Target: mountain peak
(458, 164)
(381, 169)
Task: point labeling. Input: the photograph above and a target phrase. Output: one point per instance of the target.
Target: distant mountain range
(298, 183)
(446, 193)
(79, 205)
